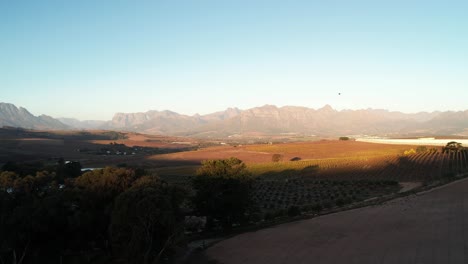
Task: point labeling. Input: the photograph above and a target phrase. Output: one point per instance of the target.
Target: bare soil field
(429, 227)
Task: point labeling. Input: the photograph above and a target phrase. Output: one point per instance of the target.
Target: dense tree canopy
(146, 220)
(45, 221)
(223, 191)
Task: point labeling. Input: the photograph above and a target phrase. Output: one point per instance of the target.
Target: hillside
(273, 120)
(267, 120)
(12, 116)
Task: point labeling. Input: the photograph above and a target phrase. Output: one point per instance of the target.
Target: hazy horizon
(89, 60)
(234, 107)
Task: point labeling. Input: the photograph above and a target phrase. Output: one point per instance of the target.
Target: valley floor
(430, 227)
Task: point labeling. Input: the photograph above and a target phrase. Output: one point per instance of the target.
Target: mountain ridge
(262, 120)
(10, 115)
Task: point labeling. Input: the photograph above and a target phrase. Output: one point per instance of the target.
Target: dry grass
(318, 150)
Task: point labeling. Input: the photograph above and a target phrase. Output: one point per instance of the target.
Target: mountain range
(264, 120)
(12, 116)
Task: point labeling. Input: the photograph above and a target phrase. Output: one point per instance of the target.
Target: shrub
(269, 216)
(344, 138)
(317, 207)
(409, 152)
(276, 157)
(294, 211)
(339, 202)
(421, 149)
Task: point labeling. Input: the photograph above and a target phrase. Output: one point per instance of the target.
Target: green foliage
(10, 166)
(48, 222)
(146, 220)
(294, 210)
(224, 168)
(433, 150)
(36, 211)
(309, 194)
(421, 149)
(453, 146)
(70, 169)
(113, 180)
(344, 138)
(7, 179)
(223, 191)
(23, 169)
(62, 169)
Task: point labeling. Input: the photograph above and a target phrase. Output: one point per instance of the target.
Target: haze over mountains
(12, 116)
(264, 120)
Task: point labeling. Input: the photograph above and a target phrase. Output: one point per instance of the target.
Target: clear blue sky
(90, 59)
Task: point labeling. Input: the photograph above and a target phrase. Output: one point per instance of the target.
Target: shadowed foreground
(425, 228)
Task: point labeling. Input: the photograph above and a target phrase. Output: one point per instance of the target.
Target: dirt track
(426, 228)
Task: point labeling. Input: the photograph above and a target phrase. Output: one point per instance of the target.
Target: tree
(113, 180)
(147, 220)
(294, 210)
(10, 166)
(29, 217)
(421, 149)
(276, 157)
(223, 191)
(7, 179)
(96, 193)
(344, 138)
(70, 169)
(452, 146)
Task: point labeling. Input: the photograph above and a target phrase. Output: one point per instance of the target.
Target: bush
(340, 202)
(269, 216)
(276, 157)
(421, 149)
(317, 207)
(409, 152)
(344, 138)
(294, 211)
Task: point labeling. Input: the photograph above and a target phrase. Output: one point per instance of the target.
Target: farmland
(308, 175)
(321, 182)
(259, 153)
(285, 180)
(415, 141)
(97, 148)
(425, 228)
(314, 176)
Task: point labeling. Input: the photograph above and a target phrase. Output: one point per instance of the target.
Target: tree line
(56, 214)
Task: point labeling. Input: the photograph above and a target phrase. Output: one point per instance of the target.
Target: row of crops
(425, 166)
(310, 194)
(319, 184)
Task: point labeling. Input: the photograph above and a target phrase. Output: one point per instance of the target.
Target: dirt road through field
(426, 228)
